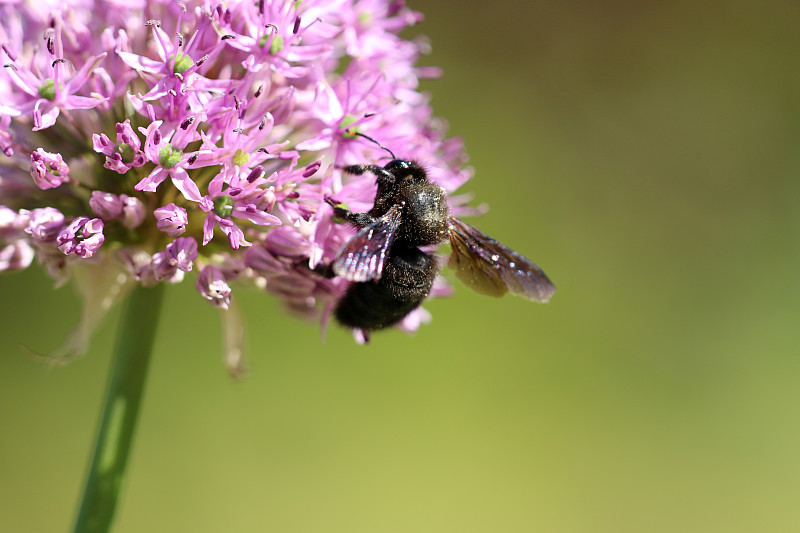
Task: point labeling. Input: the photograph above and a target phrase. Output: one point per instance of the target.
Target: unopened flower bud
(16, 255)
(171, 219)
(48, 170)
(105, 205)
(133, 211)
(213, 287)
(182, 252)
(8, 221)
(82, 237)
(164, 270)
(45, 224)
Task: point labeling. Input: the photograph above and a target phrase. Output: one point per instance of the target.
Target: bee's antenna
(376, 142)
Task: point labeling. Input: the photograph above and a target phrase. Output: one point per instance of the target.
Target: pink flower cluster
(173, 137)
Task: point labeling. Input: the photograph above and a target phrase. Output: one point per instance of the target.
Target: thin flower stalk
(121, 410)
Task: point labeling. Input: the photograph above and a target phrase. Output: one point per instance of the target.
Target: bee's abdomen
(406, 281)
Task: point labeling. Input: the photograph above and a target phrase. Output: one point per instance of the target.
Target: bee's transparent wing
(491, 268)
(363, 256)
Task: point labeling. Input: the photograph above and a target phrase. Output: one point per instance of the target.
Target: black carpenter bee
(391, 275)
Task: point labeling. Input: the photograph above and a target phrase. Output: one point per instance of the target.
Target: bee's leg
(385, 178)
(326, 271)
(322, 269)
(372, 169)
(360, 220)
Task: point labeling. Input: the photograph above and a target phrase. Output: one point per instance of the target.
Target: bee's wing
(488, 267)
(363, 256)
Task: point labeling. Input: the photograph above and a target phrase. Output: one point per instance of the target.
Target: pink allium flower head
(237, 120)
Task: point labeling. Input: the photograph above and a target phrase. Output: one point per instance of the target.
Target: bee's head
(406, 170)
(403, 171)
(398, 164)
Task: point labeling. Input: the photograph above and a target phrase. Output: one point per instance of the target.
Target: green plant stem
(120, 410)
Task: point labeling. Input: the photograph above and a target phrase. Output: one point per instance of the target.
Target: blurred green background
(645, 154)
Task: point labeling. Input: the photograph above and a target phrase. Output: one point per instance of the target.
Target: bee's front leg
(357, 219)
